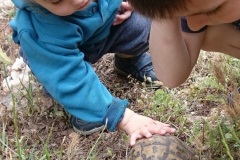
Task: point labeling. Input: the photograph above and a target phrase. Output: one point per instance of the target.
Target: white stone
(6, 3)
(19, 76)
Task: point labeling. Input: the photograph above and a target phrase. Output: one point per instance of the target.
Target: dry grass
(194, 108)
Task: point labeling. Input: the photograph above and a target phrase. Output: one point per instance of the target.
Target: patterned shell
(161, 148)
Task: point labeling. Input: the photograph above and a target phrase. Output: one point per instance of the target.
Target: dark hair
(159, 8)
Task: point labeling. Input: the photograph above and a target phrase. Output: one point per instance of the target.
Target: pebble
(6, 3)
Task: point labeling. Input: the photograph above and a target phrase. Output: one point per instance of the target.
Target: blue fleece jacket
(51, 46)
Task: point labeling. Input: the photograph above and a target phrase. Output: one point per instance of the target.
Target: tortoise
(161, 148)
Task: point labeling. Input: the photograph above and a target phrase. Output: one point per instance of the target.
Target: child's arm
(174, 53)
(138, 126)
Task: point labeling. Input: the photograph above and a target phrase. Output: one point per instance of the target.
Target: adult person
(181, 28)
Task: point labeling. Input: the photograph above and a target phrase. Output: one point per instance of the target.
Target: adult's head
(159, 8)
(198, 12)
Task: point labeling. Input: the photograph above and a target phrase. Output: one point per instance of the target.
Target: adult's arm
(174, 53)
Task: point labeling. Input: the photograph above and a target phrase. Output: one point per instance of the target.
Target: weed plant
(214, 127)
(214, 133)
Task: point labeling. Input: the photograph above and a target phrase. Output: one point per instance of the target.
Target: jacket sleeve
(59, 65)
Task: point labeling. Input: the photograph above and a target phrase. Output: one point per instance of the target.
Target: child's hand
(124, 13)
(138, 126)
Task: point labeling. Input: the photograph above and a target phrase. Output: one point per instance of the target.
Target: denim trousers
(129, 38)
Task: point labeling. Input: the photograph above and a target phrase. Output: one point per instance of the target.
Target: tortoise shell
(161, 148)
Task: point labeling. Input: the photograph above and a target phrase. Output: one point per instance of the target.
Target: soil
(46, 118)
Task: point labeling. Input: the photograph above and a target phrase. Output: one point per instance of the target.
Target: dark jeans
(131, 37)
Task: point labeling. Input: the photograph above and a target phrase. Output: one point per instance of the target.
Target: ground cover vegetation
(205, 110)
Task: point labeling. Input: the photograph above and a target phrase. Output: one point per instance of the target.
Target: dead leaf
(4, 58)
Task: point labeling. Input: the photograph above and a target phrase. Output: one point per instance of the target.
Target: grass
(38, 128)
(198, 110)
(220, 131)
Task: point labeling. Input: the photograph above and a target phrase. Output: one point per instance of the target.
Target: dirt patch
(41, 123)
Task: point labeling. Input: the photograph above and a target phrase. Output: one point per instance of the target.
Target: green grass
(215, 131)
(198, 109)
